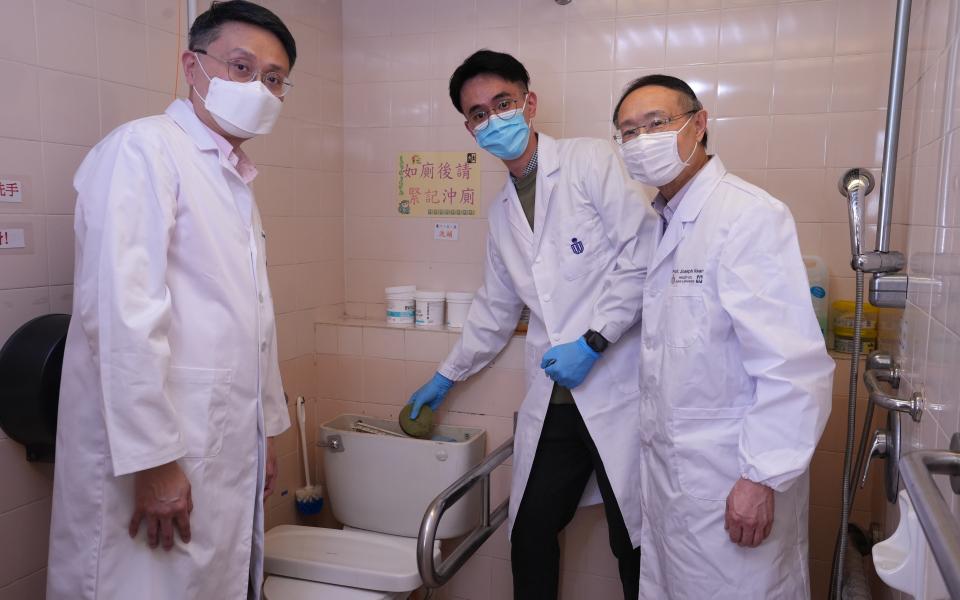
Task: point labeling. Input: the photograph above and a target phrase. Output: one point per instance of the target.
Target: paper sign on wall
(11, 191)
(12, 238)
(439, 184)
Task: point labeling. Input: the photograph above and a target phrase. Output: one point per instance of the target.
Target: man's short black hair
(668, 81)
(206, 27)
(487, 62)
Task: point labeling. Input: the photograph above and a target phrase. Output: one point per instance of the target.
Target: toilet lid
(281, 588)
(357, 559)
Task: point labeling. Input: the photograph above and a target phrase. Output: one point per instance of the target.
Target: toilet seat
(356, 559)
(281, 588)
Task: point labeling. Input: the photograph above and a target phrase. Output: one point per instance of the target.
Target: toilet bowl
(379, 487)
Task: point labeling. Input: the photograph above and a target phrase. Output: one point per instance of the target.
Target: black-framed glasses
(505, 109)
(243, 71)
(655, 125)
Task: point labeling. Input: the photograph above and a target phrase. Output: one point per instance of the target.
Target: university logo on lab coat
(577, 246)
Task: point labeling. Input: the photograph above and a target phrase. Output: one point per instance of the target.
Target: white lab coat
(583, 192)
(736, 381)
(171, 355)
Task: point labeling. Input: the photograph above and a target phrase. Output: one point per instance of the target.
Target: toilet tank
(385, 483)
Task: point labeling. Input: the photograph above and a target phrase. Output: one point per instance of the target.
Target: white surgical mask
(243, 110)
(654, 158)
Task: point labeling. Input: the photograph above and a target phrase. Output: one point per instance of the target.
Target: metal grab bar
(939, 525)
(913, 406)
(432, 575)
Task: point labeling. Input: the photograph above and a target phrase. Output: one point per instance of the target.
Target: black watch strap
(596, 341)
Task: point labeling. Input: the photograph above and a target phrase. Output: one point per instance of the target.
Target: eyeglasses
(654, 126)
(505, 109)
(243, 71)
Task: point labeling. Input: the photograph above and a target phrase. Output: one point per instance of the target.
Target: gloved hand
(568, 364)
(431, 393)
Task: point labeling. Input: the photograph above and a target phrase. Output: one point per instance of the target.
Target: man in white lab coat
(570, 237)
(171, 389)
(736, 380)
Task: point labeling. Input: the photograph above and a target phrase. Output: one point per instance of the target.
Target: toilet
(379, 487)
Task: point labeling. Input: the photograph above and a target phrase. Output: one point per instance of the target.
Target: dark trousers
(565, 458)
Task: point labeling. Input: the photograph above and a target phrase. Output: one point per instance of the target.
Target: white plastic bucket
(458, 305)
(429, 309)
(401, 307)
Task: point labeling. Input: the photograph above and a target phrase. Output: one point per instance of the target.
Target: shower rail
(939, 525)
(898, 69)
(434, 575)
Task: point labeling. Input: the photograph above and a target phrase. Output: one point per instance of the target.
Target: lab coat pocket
(580, 248)
(707, 446)
(200, 399)
(684, 320)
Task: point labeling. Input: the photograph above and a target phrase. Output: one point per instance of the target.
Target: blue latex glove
(431, 393)
(569, 364)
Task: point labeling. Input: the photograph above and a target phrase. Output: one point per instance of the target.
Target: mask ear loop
(197, 56)
(695, 144)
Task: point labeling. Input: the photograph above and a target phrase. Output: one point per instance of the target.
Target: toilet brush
(310, 497)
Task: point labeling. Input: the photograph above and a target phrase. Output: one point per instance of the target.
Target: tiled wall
(928, 187)
(796, 91)
(74, 70)
(794, 98)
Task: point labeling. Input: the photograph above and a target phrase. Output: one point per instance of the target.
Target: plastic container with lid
(844, 314)
(524, 323)
(818, 277)
(458, 305)
(429, 308)
(401, 307)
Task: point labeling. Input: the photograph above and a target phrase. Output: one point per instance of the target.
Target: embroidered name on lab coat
(691, 276)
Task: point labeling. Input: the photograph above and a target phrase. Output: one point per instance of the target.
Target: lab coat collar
(181, 111)
(548, 164)
(700, 189)
(233, 159)
(548, 167)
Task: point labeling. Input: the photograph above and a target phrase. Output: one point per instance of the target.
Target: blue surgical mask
(505, 138)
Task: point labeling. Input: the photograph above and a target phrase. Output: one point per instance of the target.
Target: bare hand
(749, 515)
(272, 470)
(162, 498)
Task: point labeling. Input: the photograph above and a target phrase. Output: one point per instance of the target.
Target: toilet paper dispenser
(30, 365)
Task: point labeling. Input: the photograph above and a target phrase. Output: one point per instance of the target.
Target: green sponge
(419, 427)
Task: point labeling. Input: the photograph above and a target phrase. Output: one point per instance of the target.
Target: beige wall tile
(25, 531)
(748, 34)
(60, 162)
(60, 246)
(122, 50)
(69, 108)
(21, 115)
(66, 37)
(20, 161)
(692, 38)
(19, 42)
(806, 29)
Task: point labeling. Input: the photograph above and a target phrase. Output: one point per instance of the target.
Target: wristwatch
(597, 342)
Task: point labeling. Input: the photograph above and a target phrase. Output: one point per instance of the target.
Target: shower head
(856, 180)
(855, 185)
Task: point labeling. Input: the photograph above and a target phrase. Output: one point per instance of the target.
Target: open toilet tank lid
(359, 559)
(442, 433)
